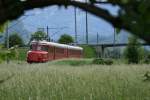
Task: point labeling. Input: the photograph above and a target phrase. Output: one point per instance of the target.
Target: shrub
(147, 60)
(133, 52)
(2, 56)
(88, 51)
(101, 61)
(98, 61)
(14, 39)
(108, 62)
(10, 54)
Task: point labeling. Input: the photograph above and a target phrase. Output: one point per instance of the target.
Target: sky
(63, 20)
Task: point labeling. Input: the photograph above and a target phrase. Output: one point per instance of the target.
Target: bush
(98, 61)
(108, 62)
(14, 39)
(101, 61)
(147, 60)
(88, 51)
(133, 52)
(2, 56)
(10, 54)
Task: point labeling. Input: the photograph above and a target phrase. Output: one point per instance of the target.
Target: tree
(15, 39)
(65, 39)
(39, 35)
(133, 52)
(133, 15)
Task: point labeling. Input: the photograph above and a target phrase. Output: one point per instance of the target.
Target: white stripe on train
(57, 45)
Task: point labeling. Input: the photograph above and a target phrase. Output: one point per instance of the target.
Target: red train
(43, 51)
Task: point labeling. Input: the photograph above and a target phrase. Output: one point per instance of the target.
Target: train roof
(58, 45)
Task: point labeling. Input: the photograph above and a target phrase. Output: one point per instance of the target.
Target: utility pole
(75, 16)
(47, 31)
(97, 38)
(87, 41)
(114, 37)
(7, 37)
(7, 41)
(50, 28)
(114, 42)
(97, 45)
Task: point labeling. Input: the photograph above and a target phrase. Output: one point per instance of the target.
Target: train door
(51, 52)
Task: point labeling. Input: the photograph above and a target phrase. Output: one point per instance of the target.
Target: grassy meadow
(65, 80)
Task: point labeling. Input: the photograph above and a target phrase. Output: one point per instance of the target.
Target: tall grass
(51, 81)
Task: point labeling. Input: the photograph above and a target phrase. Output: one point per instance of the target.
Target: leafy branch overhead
(133, 15)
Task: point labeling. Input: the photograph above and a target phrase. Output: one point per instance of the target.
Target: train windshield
(39, 47)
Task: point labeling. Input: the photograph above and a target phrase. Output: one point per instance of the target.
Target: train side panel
(60, 53)
(74, 53)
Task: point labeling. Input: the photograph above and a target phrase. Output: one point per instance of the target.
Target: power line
(48, 28)
(7, 31)
(17, 22)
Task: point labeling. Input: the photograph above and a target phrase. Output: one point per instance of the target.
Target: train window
(43, 48)
(32, 47)
(39, 47)
(75, 52)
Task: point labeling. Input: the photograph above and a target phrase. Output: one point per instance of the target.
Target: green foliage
(3, 26)
(117, 30)
(9, 54)
(147, 59)
(133, 52)
(88, 51)
(65, 39)
(22, 56)
(14, 39)
(2, 56)
(98, 61)
(14, 53)
(101, 61)
(39, 35)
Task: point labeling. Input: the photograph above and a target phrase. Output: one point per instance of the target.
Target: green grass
(59, 80)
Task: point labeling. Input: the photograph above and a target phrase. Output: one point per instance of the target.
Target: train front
(37, 53)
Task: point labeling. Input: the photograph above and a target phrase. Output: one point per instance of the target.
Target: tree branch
(91, 8)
